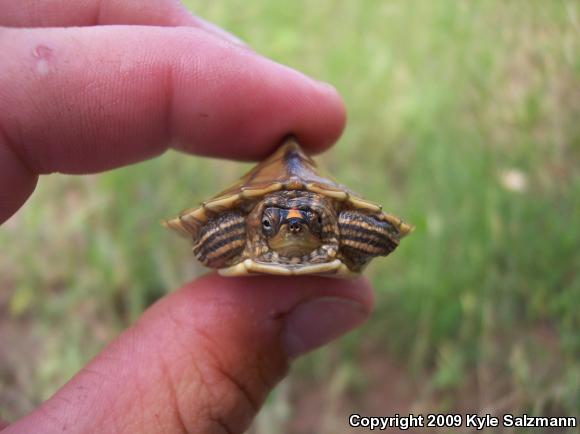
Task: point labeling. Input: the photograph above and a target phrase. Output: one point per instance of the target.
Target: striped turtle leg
(363, 237)
(222, 240)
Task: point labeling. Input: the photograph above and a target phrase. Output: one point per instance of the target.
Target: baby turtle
(283, 218)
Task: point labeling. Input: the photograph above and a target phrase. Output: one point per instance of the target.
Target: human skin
(92, 85)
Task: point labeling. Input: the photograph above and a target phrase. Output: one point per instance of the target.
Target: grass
(463, 119)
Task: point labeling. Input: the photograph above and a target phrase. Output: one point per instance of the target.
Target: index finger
(84, 100)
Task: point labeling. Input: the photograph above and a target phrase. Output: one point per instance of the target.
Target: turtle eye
(266, 223)
(266, 226)
(315, 220)
(270, 221)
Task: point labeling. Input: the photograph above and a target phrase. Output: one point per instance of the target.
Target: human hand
(88, 99)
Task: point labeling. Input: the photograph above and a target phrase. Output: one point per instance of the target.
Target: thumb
(203, 359)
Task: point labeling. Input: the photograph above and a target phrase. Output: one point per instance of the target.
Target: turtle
(284, 218)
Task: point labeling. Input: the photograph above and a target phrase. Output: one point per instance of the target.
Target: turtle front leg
(222, 240)
(364, 236)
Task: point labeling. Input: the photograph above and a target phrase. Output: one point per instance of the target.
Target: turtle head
(292, 232)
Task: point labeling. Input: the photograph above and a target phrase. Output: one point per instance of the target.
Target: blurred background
(464, 119)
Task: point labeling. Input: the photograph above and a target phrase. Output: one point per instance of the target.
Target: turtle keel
(222, 240)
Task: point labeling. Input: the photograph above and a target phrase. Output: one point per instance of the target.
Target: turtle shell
(288, 168)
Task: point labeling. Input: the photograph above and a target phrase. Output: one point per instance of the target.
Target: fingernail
(327, 86)
(219, 32)
(314, 323)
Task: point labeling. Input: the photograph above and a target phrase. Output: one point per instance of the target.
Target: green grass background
(447, 101)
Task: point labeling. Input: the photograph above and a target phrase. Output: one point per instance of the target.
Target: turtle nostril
(294, 226)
